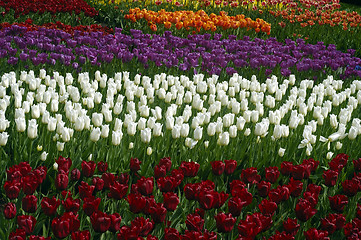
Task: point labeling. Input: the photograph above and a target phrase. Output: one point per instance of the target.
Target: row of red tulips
(93, 189)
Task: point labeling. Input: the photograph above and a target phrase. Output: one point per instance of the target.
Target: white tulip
(176, 131)
(60, 147)
(281, 152)
(131, 145)
(198, 133)
(157, 130)
(132, 128)
(4, 124)
(54, 105)
(254, 116)
(104, 131)
(169, 122)
(95, 134)
(338, 145)
(97, 98)
(353, 133)
(190, 143)
(117, 137)
(107, 115)
(52, 124)
(247, 132)
(144, 111)
(32, 129)
(97, 119)
(20, 124)
(118, 107)
(211, 129)
(142, 122)
(3, 138)
(149, 151)
(329, 155)
(223, 139)
(146, 135)
(184, 131)
(55, 166)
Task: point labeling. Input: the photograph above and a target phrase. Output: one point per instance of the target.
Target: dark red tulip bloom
(250, 175)
(208, 199)
(304, 210)
(61, 181)
(357, 164)
(302, 171)
(190, 169)
(291, 226)
(236, 187)
(286, 168)
(313, 188)
(194, 222)
(358, 211)
(29, 203)
(312, 163)
(235, 205)
(27, 223)
(160, 171)
(64, 225)
(64, 164)
(145, 226)
(190, 235)
(145, 186)
(128, 233)
(313, 234)
(71, 205)
(118, 191)
(85, 190)
(90, 205)
(134, 164)
(263, 188)
(279, 194)
(81, 235)
(158, 212)
(10, 210)
(166, 162)
(32, 237)
(136, 202)
(40, 173)
(100, 221)
(190, 190)
(171, 234)
(30, 183)
(311, 197)
(170, 200)
(350, 187)
(250, 227)
(272, 174)
(333, 222)
(109, 179)
(19, 234)
(218, 167)
(98, 183)
(123, 178)
(339, 162)
(338, 202)
(88, 168)
(267, 207)
(12, 189)
(75, 174)
(115, 222)
(167, 184)
(102, 166)
(230, 166)
(178, 175)
(49, 205)
(330, 177)
(151, 237)
(225, 222)
(295, 187)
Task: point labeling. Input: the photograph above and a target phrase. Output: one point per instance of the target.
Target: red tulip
(10, 210)
(12, 189)
(115, 222)
(171, 234)
(190, 169)
(338, 202)
(81, 235)
(19, 234)
(158, 212)
(102, 166)
(118, 191)
(90, 205)
(272, 173)
(30, 183)
(49, 205)
(218, 167)
(64, 164)
(230, 166)
(85, 190)
(295, 187)
(166, 162)
(134, 164)
(145, 186)
(145, 226)
(291, 226)
(333, 222)
(286, 168)
(27, 223)
(267, 207)
(98, 183)
(313, 234)
(303, 210)
(108, 179)
(29, 203)
(100, 221)
(64, 225)
(136, 202)
(225, 222)
(250, 175)
(350, 187)
(75, 174)
(263, 188)
(88, 168)
(171, 201)
(61, 181)
(330, 177)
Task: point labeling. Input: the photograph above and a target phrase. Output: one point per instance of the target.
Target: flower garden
(180, 119)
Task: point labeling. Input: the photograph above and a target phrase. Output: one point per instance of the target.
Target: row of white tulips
(193, 109)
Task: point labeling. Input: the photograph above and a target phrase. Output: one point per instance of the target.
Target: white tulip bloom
(95, 134)
(281, 152)
(338, 145)
(132, 128)
(60, 146)
(142, 122)
(184, 131)
(198, 132)
(190, 143)
(149, 151)
(97, 119)
(169, 122)
(223, 139)
(176, 131)
(157, 130)
(247, 132)
(104, 131)
(32, 129)
(353, 133)
(4, 136)
(329, 155)
(144, 111)
(117, 137)
(4, 124)
(146, 135)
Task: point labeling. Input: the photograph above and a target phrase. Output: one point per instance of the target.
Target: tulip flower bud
(32, 129)
(104, 131)
(176, 131)
(281, 152)
(353, 133)
(146, 135)
(117, 137)
(223, 139)
(247, 132)
(3, 138)
(157, 130)
(149, 151)
(198, 133)
(132, 128)
(184, 131)
(95, 134)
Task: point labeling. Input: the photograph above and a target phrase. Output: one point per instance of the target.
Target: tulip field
(180, 119)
